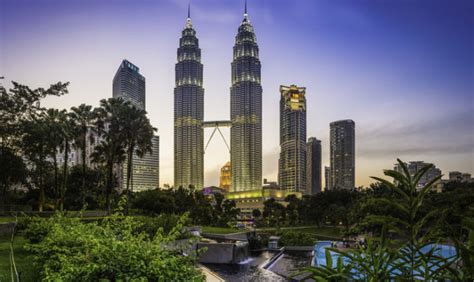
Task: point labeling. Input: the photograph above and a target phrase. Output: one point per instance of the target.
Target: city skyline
(375, 126)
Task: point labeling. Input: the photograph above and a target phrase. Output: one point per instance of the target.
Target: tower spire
(189, 23)
(245, 10)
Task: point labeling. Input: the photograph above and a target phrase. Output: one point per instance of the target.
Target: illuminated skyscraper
(292, 162)
(246, 111)
(188, 111)
(342, 154)
(129, 85)
(313, 165)
(226, 177)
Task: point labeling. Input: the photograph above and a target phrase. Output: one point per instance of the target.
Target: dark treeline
(35, 144)
(212, 210)
(355, 210)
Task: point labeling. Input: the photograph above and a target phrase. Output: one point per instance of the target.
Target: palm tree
(82, 118)
(136, 132)
(67, 135)
(35, 145)
(54, 139)
(110, 150)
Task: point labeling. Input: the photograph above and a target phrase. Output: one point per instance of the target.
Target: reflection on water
(291, 262)
(248, 270)
(251, 270)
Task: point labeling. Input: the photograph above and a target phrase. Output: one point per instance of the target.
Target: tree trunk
(108, 186)
(41, 188)
(83, 189)
(56, 190)
(64, 185)
(129, 176)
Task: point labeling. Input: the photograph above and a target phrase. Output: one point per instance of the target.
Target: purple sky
(402, 70)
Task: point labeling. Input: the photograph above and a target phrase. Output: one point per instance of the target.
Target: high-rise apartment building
(327, 178)
(415, 166)
(313, 165)
(226, 177)
(292, 162)
(342, 154)
(188, 111)
(246, 111)
(129, 85)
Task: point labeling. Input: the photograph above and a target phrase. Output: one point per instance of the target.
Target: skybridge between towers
(216, 125)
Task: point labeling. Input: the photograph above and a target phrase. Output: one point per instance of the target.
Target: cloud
(450, 134)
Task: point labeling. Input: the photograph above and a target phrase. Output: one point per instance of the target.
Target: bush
(258, 242)
(292, 238)
(35, 228)
(151, 225)
(111, 250)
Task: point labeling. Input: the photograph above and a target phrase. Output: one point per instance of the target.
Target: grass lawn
(219, 230)
(22, 259)
(7, 219)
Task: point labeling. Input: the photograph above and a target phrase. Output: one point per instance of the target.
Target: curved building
(188, 111)
(246, 111)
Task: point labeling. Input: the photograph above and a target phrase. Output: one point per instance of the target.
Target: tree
(21, 104)
(12, 171)
(22, 128)
(273, 213)
(292, 209)
(82, 118)
(93, 196)
(110, 151)
(136, 133)
(54, 140)
(36, 147)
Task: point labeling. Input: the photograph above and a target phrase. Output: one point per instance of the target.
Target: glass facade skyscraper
(292, 162)
(129, 85)
(342, 154)
(246, 111)
(313, 165)
(188, 112)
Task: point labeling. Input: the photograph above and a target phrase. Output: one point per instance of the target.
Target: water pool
(319, 259)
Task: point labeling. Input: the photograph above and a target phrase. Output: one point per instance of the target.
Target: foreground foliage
(115, 249)
(410, 254)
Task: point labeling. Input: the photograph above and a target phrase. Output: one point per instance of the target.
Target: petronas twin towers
(245, 111)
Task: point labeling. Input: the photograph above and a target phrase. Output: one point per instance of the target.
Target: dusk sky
(402, 70)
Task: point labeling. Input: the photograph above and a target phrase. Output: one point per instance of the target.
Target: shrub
(35, 228)
(111, 250)
(292, 238)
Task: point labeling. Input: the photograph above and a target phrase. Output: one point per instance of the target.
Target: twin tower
(245, 111)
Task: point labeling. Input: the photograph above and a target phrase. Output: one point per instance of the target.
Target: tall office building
(313, 165)
(188, 111)
(246, 111)
(146, 174)
(292, 162)
(226, 177)
(342, 154)
(327, 178)
(129, 85)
